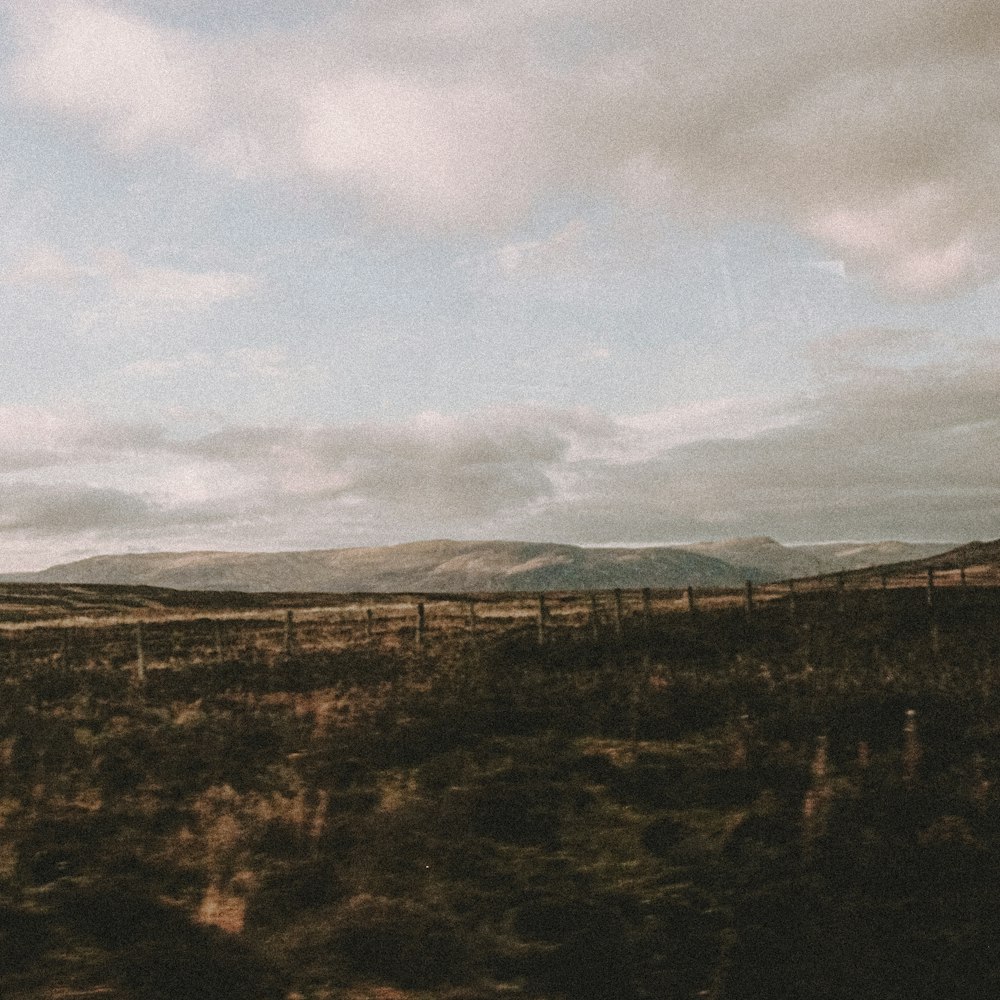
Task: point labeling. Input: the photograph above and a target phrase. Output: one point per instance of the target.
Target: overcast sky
(313, 274)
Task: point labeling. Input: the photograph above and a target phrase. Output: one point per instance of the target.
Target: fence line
(415, 624)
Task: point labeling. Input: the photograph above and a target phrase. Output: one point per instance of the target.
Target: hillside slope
(440, 566)
(449, 566)
(766, 559)
(980, 561)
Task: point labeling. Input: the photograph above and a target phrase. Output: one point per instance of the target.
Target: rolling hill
(766, 559)
(426, 567)
(980, 562)
(450, 566)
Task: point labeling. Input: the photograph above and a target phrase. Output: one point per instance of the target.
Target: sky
(320, 274)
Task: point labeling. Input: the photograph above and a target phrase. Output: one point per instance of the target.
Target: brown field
(588, 795)
(94, 624)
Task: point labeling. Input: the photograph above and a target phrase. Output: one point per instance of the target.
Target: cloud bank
(868, 128)
(885, 446)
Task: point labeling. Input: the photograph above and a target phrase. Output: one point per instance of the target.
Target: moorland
(780, 792)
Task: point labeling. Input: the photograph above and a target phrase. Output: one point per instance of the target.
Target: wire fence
(157, 638)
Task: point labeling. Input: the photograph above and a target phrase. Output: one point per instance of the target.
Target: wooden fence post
(793, 602)
(635, 696)
(692, 602)
(369, 623)
(595, 625)
(542, 618)
(748, 598)
(647, 616)
(619, 614)
(840, 593)
(219, 652)
(935, 632)
(421, 625)
(912, 751)
(289, 633)
(140, 655)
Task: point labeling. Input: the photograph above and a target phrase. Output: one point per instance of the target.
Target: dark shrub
(662, 835)
(285, 891)
(400, 941)
(590, 958)
(23, 937)
(515, 815)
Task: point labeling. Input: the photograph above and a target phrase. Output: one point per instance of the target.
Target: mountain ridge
(445, 565)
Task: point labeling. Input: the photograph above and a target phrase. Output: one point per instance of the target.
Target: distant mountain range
(763, 558)
(453, 567)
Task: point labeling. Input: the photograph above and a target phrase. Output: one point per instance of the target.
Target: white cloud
(263, 362)
(837, 268)
(169, 287)
(874, 134)
(910, 240)
(36, 437)
(40, 265)
(406, 143)
(246, 363)
(129, 293)
(564, 250)
(138, 81)
(162, 367)
(730, 419)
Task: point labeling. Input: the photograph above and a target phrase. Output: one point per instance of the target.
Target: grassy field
(198, 800)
